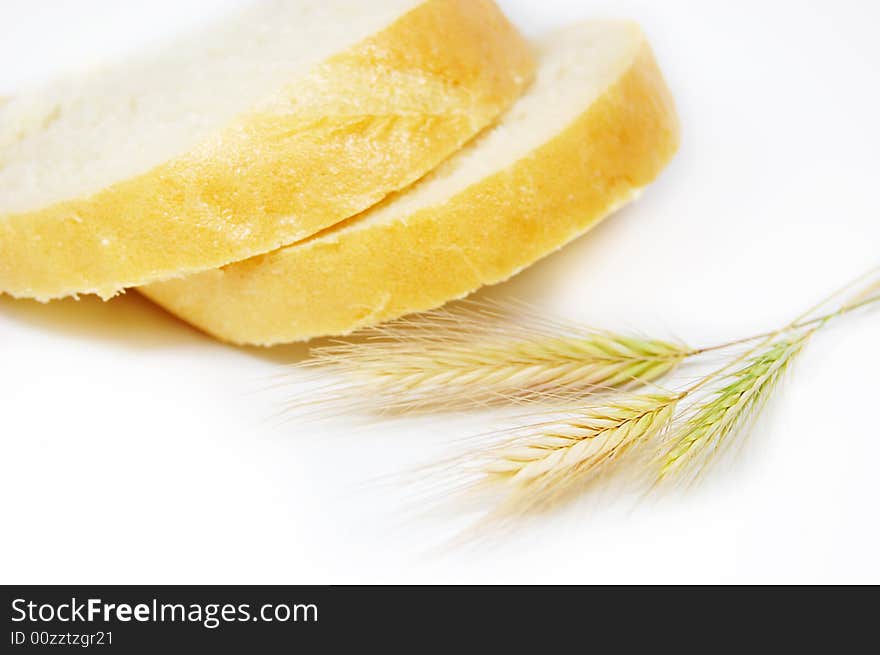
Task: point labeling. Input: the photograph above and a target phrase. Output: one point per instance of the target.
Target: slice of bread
(597, 125)
(268, 126)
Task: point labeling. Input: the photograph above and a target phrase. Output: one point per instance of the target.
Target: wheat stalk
(869, 295)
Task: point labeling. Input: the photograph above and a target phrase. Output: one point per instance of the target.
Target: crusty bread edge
(486, 234)
(275, 177)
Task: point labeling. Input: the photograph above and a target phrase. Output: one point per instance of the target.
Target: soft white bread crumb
(75, 136)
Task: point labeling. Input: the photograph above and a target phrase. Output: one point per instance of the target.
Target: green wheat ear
(720, 418)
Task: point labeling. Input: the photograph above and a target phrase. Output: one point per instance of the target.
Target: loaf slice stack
(597, 125)
(269, 126)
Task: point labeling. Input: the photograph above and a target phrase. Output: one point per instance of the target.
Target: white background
(136, 450)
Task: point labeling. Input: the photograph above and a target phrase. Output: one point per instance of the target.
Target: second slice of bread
(597, 125)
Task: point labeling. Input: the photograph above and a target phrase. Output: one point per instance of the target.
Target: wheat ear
(550, 461)
(463, 357)
(716, 421)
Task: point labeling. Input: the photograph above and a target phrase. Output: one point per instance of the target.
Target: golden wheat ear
(550, 462)
(477, 353)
